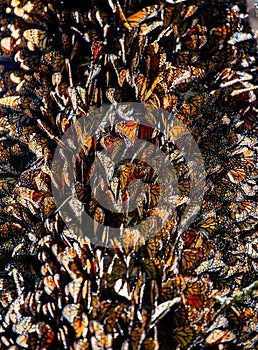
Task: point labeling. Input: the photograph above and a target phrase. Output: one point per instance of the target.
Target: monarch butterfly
(240, 210)
(146, 13)
(18, 279)
(135, 336)
(37, 37)
(193, 42)
(238, 37)
(208, 225)
(195, 300)
(189, 257)
(140, 82)
(207, 65)
(188, 109)
(250, 343)
(12, 102)
(183, 187)
(28, 194)
(190, 11)
(7, 45)
(162, 309)
(74, 289)
(219, 336)
(48, 268)
(97, 49)
(236, 175)
(235, 318)
(154, 101)
(126, 175)
(45, 334)
(121, 73)
(24, 325)
(42, 182)
(142, 92)
(222, 31)
(50, 285)
(183, 58)
(169, 102)
(183, 335)
(114, 95)
(122, 77)
(81, 344)
(49, 309)
(189, 237)
(168, 13)
(23, 340)
(175, 76)
(62, 335)
(155, 194)
(80, 326)
(127, 129)
(251, 249)
(202, 267)
(55, 59)
(154, 63)
(7, 298)
(80, 191)
(26, 266)
(146, 29)
(247, 224)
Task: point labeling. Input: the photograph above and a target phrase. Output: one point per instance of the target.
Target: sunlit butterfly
(219, 336)
(12, 102)
(37, 37)
(7, 45)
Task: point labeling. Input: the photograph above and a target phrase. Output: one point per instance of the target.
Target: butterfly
(121, 73)
(12, 102)
(80, 326)
(208, 225)
(168, 13)
(183, 335)
(26, 266)
(189, 258)
(183, 187)
(155, 194)
(219, 336)
(195, 300)
(50, 285)
(49, 309)
(240, 210)
(169, 102)
(184, 58)
(54, 59)
(142, 91)
(45, 334)
(250, 343)
(37, 37)
(7, 45)
(6, 298)
(62, 336)
(29, 195)
(81, 344)
(238, 37)
(127, 130)
(146, 13)
(189, 236)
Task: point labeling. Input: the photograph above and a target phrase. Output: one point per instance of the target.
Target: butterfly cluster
(60, 60)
